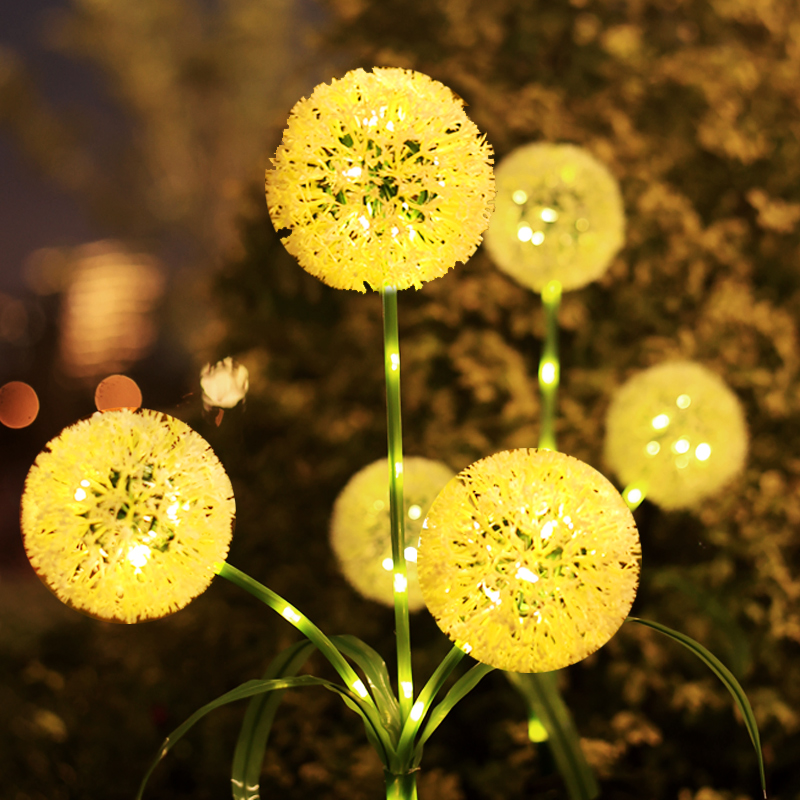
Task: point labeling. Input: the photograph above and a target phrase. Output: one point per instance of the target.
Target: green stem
(301, 622)
(391, 345)
(549, 368)
(401, 787)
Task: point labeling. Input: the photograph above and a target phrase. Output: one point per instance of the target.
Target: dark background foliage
(694, 108)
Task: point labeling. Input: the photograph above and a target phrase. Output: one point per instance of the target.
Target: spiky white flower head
(224, 384)
(558, 216)
(677, 430)
(529, 560)
(125, 513)
(360, 526)
(381, 179)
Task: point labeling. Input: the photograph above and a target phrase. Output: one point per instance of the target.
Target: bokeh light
(361, 532)
(19, 404)
(117, 391)
(558, 216)
(107, 313)
(677, 431)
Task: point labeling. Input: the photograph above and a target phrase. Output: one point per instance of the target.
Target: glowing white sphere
(360, 526)
(558, 216)
(678, 431)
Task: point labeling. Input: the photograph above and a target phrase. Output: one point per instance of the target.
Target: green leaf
(254, 734)
(255, 687)
(377, 675)
(727, 678)
(545, 703)
(420, 708)
(463, 686)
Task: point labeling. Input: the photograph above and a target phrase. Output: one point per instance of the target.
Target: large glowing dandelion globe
(124, 514)
(558, 216)
(529, 560)
(361, 532)
(381, 179)
(677, 432)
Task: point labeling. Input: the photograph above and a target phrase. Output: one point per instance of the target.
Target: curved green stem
(391, 343)
(549, 368)
(426, 696)
(301, 622)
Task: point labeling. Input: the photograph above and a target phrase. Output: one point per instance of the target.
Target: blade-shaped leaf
(377, 675)
(727, 678)
(544, 700)
(463, 686)
(254, 687)
(429, 691)
(254, 734)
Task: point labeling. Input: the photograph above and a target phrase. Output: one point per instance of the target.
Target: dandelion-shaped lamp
(125, 513)
(676, 434)
(558, 216)
(529, 560)
(360, 526)
(381, 179)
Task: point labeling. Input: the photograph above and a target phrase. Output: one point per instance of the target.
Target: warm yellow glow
(524, 233)
(573, 197)
(524, 574)
(400, 583)
(533, 557)
(536, 731)
(681, 445)
(131, 468)
(107, 318)
(660, 421)
(138, 555)
(359, 688)
(519, 197)
(360, 528)
(634, 496)
(407, 688)
(290, 614)
(703, 451)
(673, 459)
(417, 710)
(548, 372)
(423, 174)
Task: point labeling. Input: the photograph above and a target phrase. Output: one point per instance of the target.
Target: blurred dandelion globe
(677, 431)
(124, 514)
(558, 216)
(381, 178)
(529, 560)
(360, 526)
